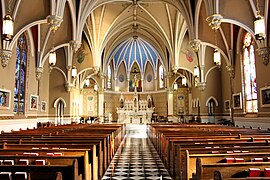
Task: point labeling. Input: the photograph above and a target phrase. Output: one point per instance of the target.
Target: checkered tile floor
(137, 158)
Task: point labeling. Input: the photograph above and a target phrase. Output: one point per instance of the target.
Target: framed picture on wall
(237, 101)
(227, 105)
(33, 102)
(4, 99)
(43, 106)
(265, 96)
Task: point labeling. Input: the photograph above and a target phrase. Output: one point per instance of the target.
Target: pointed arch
(211, 97)
(58, 100)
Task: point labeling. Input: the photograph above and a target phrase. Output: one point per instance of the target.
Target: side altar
(135, 110)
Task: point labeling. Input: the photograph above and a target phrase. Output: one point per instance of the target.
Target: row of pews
(207, 151)
(77, 152)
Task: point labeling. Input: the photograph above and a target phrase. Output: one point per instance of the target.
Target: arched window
(20, 75)
(161, 76)
(249, 75)
(211, 105)
(109, 77)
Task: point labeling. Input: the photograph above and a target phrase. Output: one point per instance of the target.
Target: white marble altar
(135, 111)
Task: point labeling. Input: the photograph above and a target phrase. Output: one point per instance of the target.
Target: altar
(135, 111)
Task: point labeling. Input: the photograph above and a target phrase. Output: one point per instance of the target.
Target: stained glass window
(161, 76)
(249, 72)
(20, 75)
(109, 77)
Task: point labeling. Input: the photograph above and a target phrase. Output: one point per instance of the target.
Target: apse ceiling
(135, 49)
(160, 28)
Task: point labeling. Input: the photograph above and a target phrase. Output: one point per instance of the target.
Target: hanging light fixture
(52, 55)
(217, 59)
(96, 87)
(259, 25)
(8, 24)
(74, 71)
(196, 71)
(87, 82)
(175, 86)
(184, 81)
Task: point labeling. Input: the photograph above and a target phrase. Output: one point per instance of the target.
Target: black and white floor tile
(137, 158)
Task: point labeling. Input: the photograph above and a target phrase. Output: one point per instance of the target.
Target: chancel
(135, 110)
(127, 89)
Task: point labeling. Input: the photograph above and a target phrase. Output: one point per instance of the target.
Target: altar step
(136, 158)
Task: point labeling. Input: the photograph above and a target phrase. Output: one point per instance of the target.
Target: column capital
(75, 45)
(230, 69)
(68, 87)
(39, 71)
(195, 44)
(5, 56)
(214, 21)
(54, 22)
(201, 86)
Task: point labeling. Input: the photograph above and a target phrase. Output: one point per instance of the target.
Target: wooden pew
(190, 167)
(172, 137)
(59, 171)
(106, 140)
(228, 170)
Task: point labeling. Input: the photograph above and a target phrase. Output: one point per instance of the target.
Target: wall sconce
(74, 71)
(8, 24)
(259, 25)
(184, 81)
(217, 59)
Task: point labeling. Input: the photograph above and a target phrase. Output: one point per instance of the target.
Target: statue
(122, 100)
(149, 101)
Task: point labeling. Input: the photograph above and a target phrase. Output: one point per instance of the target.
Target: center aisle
(136, 158)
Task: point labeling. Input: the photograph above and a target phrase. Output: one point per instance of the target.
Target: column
(101, 105)
(170, 104)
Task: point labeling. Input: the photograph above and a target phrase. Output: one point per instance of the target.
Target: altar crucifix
(135, 82)
(135, 98)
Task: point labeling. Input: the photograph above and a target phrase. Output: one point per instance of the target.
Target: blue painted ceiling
(135, 50)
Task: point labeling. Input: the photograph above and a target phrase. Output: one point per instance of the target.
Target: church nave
(136, 158)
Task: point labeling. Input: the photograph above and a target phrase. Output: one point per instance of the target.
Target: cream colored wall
(57, 85)
(44, 87)
(186, 49)
(31, 85)
(160, 103)
(213, 83)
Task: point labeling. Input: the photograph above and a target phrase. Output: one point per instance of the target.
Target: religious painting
(149, 78)
(121, 78)
(237, 101)
(227, 105)
(4, 99)
(90, 105)
(43, 106)
(189, 55)
(265, 96)
(33, 102)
